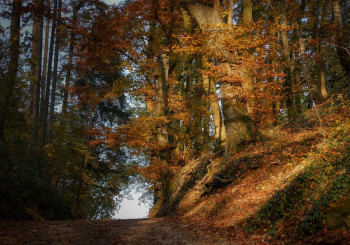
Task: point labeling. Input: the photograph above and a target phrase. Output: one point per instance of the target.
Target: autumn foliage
(206, 95)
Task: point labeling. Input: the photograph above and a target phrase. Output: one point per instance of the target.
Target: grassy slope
(284, 184)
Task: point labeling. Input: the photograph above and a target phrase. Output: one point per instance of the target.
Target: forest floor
(133, 231)
(137, 232)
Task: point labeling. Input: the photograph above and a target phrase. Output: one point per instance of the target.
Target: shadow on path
(134, 231)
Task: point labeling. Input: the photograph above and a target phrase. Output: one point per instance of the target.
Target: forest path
(133, 231)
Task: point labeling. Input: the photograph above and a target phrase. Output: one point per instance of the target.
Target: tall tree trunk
(343, 53)
(297, 101)
(161, 193)
(148, 99)
(55, 73)
(230, 12)
(320, 62)
(46, 53)
(36, 67)
(248, 79)
(289, 79)
(45, 106)
(205, 133)
(276, 102)
(247, 11)
(210, 88)
(70, 63)
(8, 86)
(304, 67)
(160, 107)
(149, 72)
(236, 119)
(220, 132)
(80, 214)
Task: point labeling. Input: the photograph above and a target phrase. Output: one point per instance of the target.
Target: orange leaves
(95, 143)
(240, 55)
(157, 170)
(139, 134)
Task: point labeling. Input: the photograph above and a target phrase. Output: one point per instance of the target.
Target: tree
(236, 117)
(341, 45)
(76, 7)
(45, 105)
(55, 74)
(289, 67)
(37, 37)
(8, 86)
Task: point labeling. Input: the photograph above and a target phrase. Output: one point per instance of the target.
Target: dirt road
(135, 232)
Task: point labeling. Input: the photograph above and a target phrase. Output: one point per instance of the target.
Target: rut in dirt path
(135, 232)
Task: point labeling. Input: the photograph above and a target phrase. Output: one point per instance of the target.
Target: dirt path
(135, 232)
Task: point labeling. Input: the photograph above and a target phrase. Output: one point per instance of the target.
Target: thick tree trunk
(236, 120)
(289, 79)
(210, 88)
(36, 68)
(54, 78)
(160, 108)
(161, 193)
(8, 86)
(342, 51)
(45, 106)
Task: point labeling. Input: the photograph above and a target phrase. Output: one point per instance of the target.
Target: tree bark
(36, 68)
(210, 88)
(304, 66)
(80, 214)
(161, 194)
(160, 107)
(70, 62)
(289, 79)
(230, 12)
(46, 52)
(342, 51)
(305, 70)
(322, 83)
(55, 72)
(6, 89)
(247, 11)
(248, 80)
(45, 106)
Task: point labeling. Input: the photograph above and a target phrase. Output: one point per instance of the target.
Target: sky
(113, 1)
(130, 209)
